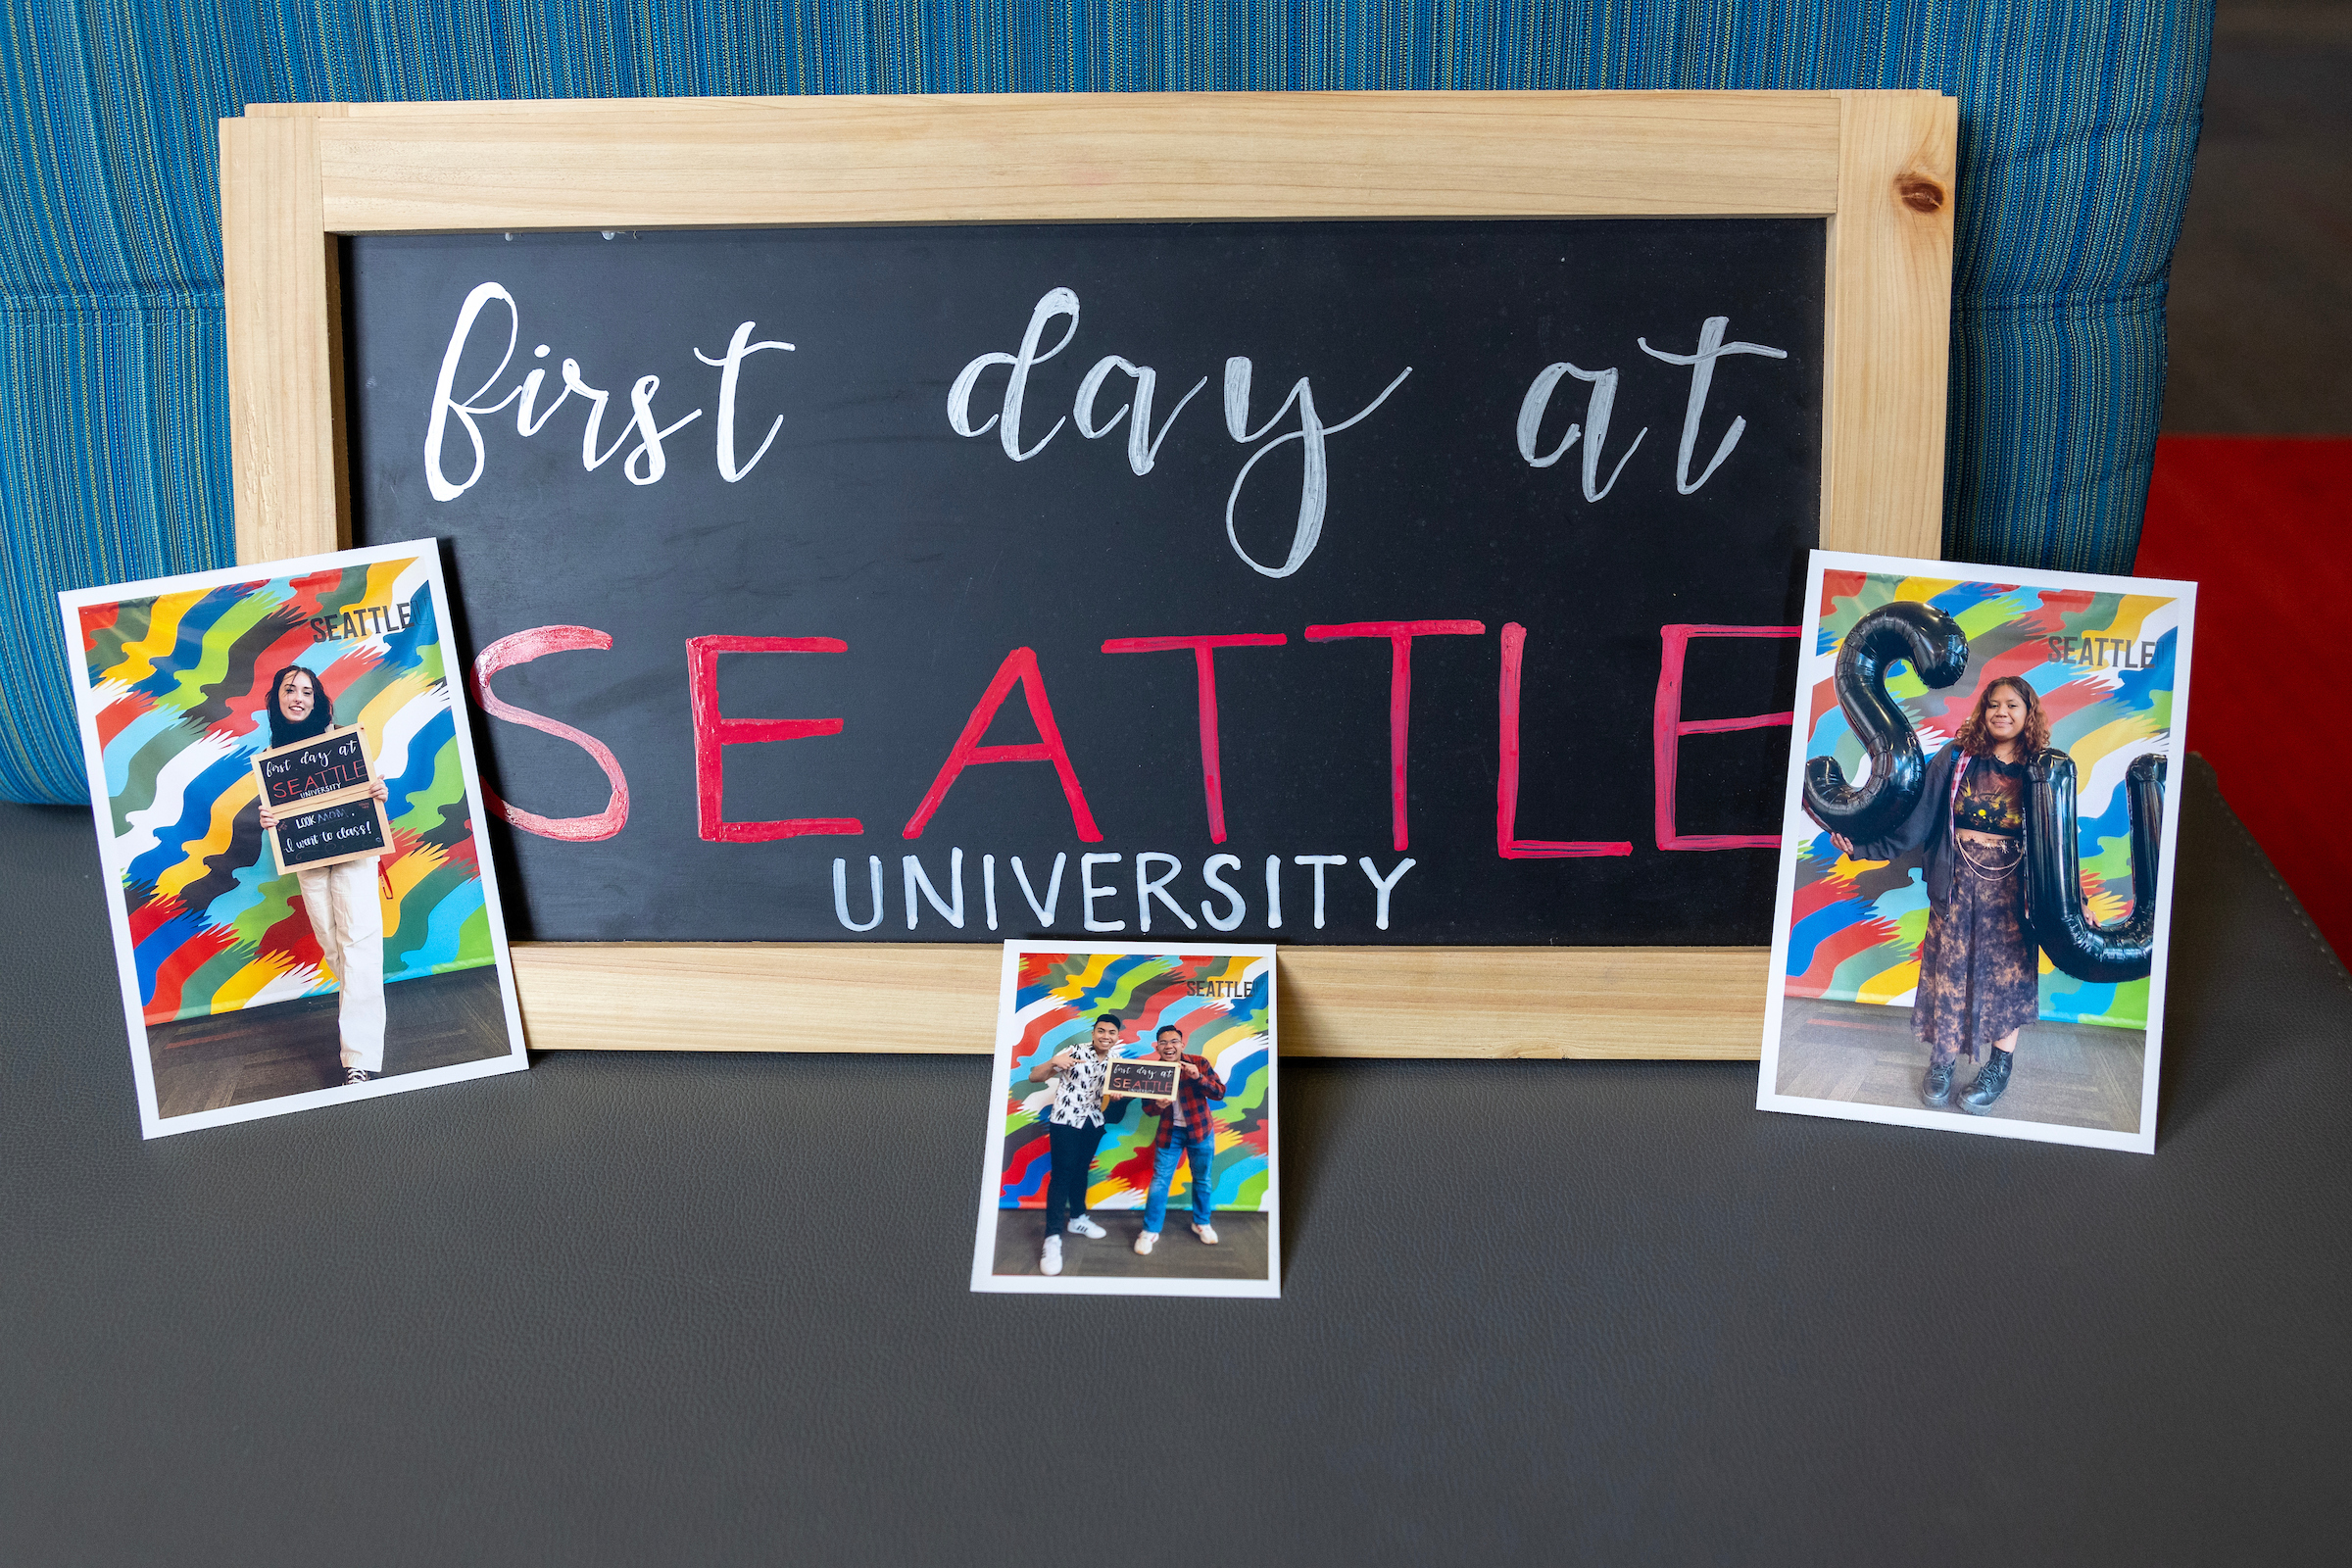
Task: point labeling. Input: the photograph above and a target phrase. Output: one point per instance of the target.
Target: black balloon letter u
(2102, 955)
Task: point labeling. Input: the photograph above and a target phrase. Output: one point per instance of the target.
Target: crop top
(1992, 798)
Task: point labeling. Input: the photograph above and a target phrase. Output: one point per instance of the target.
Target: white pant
(348, 923)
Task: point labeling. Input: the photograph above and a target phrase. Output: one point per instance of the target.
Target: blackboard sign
(319, 791)
(330, 763)
(1333, 582)
(1170, 523)
(1143, 1079)
(329, 834)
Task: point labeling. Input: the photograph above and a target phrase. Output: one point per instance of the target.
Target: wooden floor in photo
(1239, 1252)
(290, 1048)
(2073, 1075)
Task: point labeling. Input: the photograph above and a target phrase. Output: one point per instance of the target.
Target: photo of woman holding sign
(283, 944)
(1978, 971)
(340, 898)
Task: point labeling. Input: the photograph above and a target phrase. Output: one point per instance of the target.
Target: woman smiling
(1978, 972)
(340, 900)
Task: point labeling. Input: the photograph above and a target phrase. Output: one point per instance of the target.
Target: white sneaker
(1051, 1263)
(1146, 1241)
(1082, 1226)
(1208, 1234)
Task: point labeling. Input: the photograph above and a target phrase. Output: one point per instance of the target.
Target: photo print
(1977, 862)
(1131, 1143)
(302, 900)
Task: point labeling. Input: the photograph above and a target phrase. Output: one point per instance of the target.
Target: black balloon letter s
(1937, 651)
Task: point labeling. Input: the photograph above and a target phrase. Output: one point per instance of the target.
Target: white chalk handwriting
(647, 438)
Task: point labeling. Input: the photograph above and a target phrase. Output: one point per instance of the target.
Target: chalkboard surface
(896, 633)
(329, 834)
(1150, 1080)
(335, 761)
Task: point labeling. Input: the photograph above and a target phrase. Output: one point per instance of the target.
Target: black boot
(1936, 1089)
(1991, 1079)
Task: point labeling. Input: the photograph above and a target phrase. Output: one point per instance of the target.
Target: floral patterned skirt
(1977, 974)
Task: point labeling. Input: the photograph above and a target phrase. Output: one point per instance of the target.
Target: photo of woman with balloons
(1978, 833)
(1979, 974)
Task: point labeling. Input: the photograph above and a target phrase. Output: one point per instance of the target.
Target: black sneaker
(1991, 1080)
(358, 1075)
(1936, 1089)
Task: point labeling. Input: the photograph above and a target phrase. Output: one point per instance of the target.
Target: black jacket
(1929, 826)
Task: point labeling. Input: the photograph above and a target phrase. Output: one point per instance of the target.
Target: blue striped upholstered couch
(2078, 123)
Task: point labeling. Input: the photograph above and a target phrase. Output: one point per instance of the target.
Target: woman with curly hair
(1978, 972)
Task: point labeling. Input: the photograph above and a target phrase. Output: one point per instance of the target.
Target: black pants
(1073, 1156)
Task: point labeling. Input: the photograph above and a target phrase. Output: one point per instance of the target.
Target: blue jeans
(1163, 1176)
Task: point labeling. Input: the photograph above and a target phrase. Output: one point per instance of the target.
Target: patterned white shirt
(1078, 1088)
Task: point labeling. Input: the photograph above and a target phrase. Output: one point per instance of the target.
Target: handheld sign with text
(1395, 547)
(327, 764)
(1144, 1079)
(318, 790)
(330, 835)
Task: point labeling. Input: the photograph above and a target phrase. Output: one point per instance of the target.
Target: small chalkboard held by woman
(321, 803)
(302, 910)
(1979, 836)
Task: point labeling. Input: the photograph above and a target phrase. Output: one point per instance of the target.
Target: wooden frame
(1878, 166)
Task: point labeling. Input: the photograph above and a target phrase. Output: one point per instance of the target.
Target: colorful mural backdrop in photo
(182, 689)
(2102, 666)
(1059, 998)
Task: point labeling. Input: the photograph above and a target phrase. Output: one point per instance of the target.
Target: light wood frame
(1878, 166)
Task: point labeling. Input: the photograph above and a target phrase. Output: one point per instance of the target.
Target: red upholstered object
(2262, 524)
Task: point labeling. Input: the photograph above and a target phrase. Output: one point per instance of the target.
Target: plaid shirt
(1193, 1096)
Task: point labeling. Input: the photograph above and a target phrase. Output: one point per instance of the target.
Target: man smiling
(1188, 1131)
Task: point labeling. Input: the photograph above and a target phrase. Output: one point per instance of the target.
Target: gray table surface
(714, 1310)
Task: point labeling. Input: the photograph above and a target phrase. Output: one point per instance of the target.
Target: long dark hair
(1975, 740)
(284, 731)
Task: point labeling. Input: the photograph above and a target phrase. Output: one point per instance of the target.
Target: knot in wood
(1920, 193)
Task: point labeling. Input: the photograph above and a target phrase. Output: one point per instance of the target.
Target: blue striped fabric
(2078, 122)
